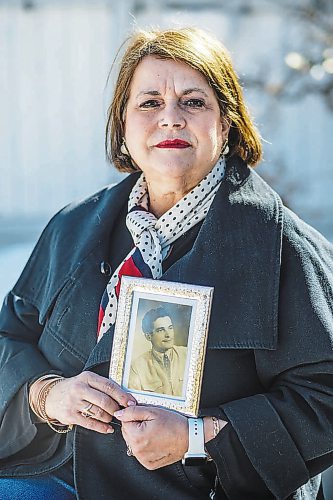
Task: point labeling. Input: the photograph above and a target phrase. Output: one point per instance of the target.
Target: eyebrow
(185, 92)
(163, 327)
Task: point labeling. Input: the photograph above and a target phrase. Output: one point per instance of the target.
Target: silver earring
(123, 148)
(225, 148)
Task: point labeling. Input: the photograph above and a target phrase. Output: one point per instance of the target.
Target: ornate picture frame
(159, 343)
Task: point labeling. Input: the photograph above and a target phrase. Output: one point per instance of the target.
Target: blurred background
(55, 57)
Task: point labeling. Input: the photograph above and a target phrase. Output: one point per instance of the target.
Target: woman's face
(173, 125)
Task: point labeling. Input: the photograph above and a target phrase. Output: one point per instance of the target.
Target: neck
(163, 197)
(162, 352)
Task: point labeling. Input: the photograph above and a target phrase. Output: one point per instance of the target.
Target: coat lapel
(238, 252)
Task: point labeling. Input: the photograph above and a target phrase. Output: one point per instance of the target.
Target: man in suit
(161, 369)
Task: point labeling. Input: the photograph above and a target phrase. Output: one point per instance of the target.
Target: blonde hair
(202, 52)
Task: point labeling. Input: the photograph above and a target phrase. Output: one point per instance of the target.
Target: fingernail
(131, 403)
(110, 430)
(118, 413)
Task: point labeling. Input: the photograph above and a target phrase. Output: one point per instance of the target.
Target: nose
(171, 117)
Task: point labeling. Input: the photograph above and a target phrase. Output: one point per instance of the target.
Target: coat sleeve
(287, 431)
(20, 363)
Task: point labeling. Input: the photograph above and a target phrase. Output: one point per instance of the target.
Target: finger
(135, 414)
(95, 412)
(93, 424)
(100, 399)
(111, 388)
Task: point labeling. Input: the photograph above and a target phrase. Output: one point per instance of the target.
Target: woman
(198, 214)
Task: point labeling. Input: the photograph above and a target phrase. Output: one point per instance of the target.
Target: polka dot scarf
(153, 237)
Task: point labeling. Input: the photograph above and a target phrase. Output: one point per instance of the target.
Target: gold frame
(199, 298)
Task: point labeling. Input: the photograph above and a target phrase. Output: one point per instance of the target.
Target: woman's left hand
(157, 437)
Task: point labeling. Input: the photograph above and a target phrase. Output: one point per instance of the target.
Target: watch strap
(196, 437)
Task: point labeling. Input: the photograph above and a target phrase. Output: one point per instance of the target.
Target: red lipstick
(173, 143)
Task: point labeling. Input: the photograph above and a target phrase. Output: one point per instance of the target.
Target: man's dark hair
(151, 316)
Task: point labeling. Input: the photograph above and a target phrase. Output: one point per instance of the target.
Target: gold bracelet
(55, 425)
(42, 395)
(216, 430)
(39, 408)
(216, 426)
(49, 378)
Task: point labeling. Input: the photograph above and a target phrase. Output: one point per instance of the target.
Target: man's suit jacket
(147, 373)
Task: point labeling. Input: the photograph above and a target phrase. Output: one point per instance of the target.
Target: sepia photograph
(159, 342)
(162, 330)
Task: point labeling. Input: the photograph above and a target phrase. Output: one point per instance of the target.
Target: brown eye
(195, 103)
(151, 103)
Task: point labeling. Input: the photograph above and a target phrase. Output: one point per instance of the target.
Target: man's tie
(166, 362)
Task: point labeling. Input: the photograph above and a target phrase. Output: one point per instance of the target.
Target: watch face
(194, 460)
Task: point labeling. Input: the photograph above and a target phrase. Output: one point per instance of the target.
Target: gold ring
(129, 451)
(86, 412)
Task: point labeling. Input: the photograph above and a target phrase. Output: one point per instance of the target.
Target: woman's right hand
(69, 398)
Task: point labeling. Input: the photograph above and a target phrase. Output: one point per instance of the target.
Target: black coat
(269, 362)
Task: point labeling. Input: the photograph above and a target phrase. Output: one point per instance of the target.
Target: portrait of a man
(161, 368)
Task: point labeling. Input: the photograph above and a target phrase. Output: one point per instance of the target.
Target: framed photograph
(160, 341)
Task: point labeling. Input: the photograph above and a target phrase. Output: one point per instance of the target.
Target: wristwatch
(196, 453)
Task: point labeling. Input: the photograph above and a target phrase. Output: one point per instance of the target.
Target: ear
(225, 122)
(148, 336)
